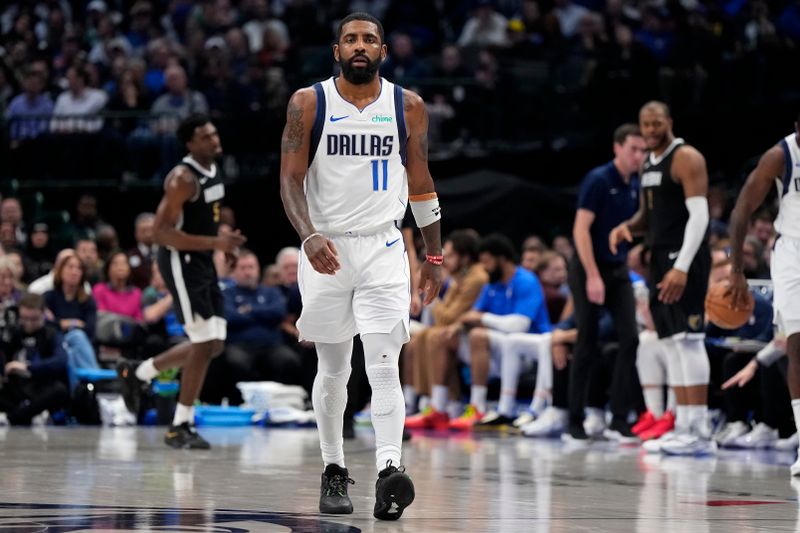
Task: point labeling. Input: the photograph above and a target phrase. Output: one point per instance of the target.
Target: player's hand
(596, 290)
(617, 235)
(671, 286)
(322, 255)
(738, 291)
(743, 376)
(16, 367)
(430, 281)
(229, 241)
(560, 354)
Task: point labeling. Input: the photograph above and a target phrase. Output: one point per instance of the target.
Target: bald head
(654, 106)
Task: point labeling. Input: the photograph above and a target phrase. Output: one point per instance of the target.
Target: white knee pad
(381, 354)
(674, 366)
(694, 361)
(648, 360)
(330, 386)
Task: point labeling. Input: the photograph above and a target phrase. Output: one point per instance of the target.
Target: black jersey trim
(401, 123)
(319, 122)
(787, 173)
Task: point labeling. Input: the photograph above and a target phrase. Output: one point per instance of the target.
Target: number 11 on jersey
(385, 165)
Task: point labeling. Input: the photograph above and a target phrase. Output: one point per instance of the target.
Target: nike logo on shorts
(336, 119)
(390, 243)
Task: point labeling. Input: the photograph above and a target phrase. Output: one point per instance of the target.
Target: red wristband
(435, 259)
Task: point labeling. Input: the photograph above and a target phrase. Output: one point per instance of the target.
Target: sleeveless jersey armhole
(319, 122)
(402, 135)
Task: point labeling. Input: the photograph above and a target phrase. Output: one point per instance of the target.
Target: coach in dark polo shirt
(609, 195)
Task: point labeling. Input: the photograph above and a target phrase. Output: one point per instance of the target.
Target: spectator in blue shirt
(512, 302)
(254, 347)
(29, 113)
(598, 277)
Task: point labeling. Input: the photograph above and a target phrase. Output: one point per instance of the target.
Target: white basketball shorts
(370, 293)
(786, 282)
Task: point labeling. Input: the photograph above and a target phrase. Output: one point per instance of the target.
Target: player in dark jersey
(186, 229)
(673, 214)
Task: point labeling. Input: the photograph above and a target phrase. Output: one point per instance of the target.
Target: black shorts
(197, 299)
(688, 314)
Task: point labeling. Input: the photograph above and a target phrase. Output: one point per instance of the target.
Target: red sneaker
(645, 422)
(428, 419)
(664, 425)
(466, 421)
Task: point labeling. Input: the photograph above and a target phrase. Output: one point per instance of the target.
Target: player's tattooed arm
(294, 159)
(295, 145)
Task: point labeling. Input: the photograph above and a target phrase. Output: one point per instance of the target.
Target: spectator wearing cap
(39, 253)
(141, 257)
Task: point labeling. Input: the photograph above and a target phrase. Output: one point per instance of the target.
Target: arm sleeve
(769, 354)
(695, 232)
(506, 323)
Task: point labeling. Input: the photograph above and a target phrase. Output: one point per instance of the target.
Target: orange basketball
(719, 311)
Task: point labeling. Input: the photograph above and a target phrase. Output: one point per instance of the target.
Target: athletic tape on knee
(385, 382)
(694, 362)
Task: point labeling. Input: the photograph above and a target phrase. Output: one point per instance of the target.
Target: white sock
(381, 355)
(146, 371)
(681, 418)
(540, 401)
(410, 396)
(329, 397)
(654, 400)
(439, 394)
(698, 418)
(671, 401)
(506, 405)
(183, 413)
(796, 411)
(477, 397)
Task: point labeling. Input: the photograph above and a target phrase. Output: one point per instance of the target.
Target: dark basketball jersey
(664, 200)
(201, 214)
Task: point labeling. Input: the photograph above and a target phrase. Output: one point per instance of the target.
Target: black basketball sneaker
(185, 436)
(131, 386)
(394, 491)
(333, 498)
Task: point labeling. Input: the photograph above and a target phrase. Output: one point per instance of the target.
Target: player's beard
(359, 75)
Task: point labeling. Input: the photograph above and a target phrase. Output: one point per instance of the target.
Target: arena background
(533, 115)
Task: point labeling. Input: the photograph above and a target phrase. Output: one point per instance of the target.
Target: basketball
(719, 310)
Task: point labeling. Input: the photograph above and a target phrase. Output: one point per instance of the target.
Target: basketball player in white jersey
(354, 154)
(780, 164)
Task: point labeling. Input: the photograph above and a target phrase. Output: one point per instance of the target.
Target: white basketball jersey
(356, 180)
(788, 221)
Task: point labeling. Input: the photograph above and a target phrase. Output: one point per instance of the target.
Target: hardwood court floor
(92, 479)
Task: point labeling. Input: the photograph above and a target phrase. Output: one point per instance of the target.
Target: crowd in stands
(488, 70)
(84, 306)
